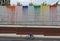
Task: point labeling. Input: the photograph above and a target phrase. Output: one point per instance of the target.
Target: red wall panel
(25, 30)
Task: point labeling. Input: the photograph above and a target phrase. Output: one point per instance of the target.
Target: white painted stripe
(30, 26)
(37, 36)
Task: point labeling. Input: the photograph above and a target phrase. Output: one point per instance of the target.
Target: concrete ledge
(30, 26)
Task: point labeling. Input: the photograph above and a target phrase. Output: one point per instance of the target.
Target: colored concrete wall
(30, 15)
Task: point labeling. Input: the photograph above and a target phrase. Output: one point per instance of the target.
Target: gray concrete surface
(35, 39)
(29, 40)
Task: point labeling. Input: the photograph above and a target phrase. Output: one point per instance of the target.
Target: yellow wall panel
(44, 6)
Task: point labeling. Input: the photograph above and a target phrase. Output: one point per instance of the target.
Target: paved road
(29, 40)
(40, 39)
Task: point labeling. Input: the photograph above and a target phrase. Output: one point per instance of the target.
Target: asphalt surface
(25, 39)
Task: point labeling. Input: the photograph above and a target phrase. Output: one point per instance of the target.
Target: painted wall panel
(11, 13)
(53, 15)
(25, 14)
(3, 15)
(37, 15)
(45, 15)
(18, 15)
(31, 15)
(58, 15)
